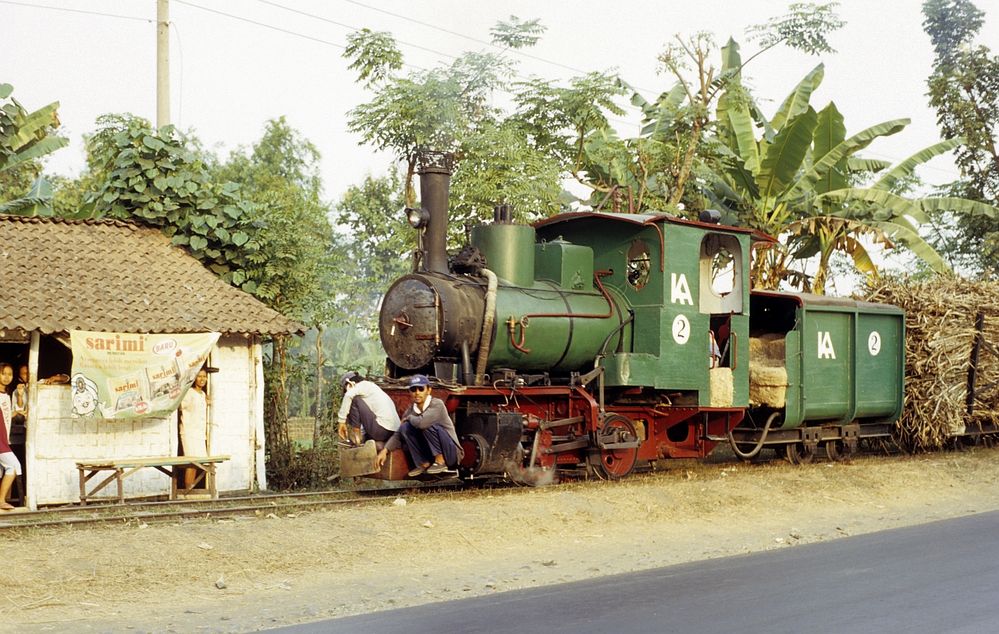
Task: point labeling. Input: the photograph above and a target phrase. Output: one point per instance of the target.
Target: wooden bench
(121, 468)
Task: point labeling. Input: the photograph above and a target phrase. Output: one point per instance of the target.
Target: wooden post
(162, 63)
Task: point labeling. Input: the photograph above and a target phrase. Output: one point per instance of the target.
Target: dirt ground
(255, 573)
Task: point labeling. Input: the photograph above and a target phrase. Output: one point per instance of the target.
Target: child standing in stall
(9, 463)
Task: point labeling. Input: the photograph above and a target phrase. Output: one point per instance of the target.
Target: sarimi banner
(120, 376)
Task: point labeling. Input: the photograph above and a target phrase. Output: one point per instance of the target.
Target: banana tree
(794, 181)
(26, 137)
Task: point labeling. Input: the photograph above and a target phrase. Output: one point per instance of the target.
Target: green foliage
(500, 167)
(279, 179)
(558, 120)
(964, 90)
(37, 202)
(448, 109)
(516, 33)
(25, 138)
(152, 177)
(805, 27)
(373, 54)
(706, 88)
(952, 26)
(794, 181)
(372, 249)
(434, 109)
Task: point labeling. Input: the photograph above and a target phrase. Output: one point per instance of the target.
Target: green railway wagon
(824, 371)
(845, 359)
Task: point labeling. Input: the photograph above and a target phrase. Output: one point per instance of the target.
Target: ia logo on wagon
(828, 351)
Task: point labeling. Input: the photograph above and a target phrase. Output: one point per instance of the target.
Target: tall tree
(665, 165)
(449, 108)
(279, 177)
(964, 90)
(372, 249)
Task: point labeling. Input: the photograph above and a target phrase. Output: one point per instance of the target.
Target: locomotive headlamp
(417, 218)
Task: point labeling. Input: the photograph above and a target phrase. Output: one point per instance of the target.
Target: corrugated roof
(58, 275)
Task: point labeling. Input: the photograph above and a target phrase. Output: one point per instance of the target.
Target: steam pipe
(488, 317)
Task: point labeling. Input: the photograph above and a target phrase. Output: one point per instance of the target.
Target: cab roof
(649, 219)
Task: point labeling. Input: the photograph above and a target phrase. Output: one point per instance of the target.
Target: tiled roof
(58, 275)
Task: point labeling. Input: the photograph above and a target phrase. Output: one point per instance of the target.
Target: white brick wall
(59, 441)
(56, 440)
(234, 412)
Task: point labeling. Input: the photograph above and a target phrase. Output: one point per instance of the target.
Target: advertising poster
(121, 376)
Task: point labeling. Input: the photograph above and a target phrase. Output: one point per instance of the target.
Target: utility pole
(162, 63)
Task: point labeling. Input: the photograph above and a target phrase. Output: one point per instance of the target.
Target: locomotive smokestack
(435, 170)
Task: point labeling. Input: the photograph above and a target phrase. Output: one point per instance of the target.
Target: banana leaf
(27, 129)
(891, 221)
(762, 122)
(861, 257)
(731, 58)
(829, 133)
(905, 168)
(798, 101)
(960, 206)
(915, 243)
(665, 113)
(856, 164)
(857, 142)
(784, 157)
(742, 128)
(888, 204)
(39, 149)
(659, 114)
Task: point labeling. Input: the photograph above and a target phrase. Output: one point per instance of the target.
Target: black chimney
(435, 170)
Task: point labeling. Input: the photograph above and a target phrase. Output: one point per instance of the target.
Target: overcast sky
(263, 59)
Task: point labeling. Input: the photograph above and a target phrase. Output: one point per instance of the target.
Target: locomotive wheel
(837, 450)
(797, 453)
(612, 464)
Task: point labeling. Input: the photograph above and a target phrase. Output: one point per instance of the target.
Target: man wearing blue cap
(427, 433)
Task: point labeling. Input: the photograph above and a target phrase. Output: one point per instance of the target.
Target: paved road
(939, 577)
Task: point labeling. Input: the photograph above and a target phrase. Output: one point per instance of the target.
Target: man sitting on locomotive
(427, 433)
(367, 410)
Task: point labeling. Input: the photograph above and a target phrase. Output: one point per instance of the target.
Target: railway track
(267, 503)
(172, 510)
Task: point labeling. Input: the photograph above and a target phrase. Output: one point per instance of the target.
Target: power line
(68, 10)
(278, 29)
(351, 28)
(263, 24)
(449, 32)
(464, 36)
(327, 42)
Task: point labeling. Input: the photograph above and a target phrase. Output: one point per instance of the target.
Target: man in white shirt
(366, 410)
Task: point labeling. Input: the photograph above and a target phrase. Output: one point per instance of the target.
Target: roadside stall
(112, 323)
